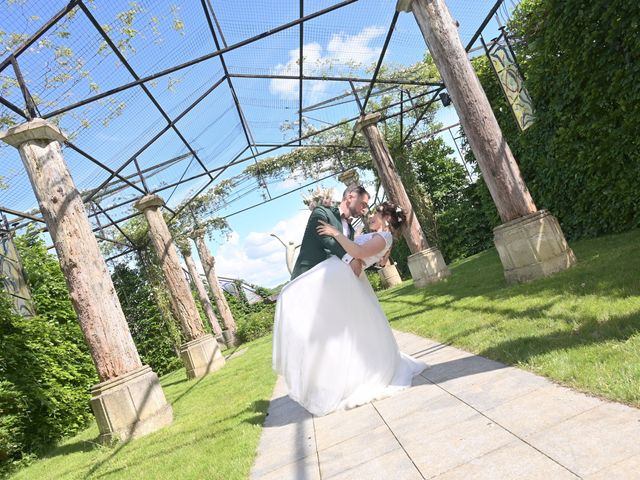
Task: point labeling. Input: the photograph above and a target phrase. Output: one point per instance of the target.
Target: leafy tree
(440, 174)
(155, 335)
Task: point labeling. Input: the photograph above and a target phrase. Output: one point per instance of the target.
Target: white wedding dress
(332, 341)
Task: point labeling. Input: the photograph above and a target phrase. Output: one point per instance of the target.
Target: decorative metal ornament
(504, 64)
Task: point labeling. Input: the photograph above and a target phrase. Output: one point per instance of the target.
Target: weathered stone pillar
(425, 263)
(200, 353)
(499, 168)
(389, 276)
(128, 402)
(209, 263)
(202, 293)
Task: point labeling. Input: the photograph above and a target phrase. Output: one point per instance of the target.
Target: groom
(316, 248)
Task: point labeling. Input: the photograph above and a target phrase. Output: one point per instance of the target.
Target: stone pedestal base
(201, 356)
(222, 343)
(130, 406)
(389, 276)
(229, 338)
(532, 247)
(427, 267)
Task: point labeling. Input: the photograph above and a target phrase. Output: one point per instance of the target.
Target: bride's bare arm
(368, 249)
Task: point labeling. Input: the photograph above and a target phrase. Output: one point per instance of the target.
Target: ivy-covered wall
(581, 158)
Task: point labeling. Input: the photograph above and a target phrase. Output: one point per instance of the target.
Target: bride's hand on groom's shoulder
(325, 229)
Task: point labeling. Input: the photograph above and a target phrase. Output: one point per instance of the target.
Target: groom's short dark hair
(358, 189)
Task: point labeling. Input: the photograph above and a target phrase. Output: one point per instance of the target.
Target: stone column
(200, 353)
(209, 263)
(425, 263)
(202, 293)
(389, 276)
(128, 402)
(499, 168)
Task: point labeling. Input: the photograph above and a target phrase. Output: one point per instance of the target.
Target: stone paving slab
(465, 417)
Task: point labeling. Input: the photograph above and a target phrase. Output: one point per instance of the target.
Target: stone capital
(404, 5)
(197, 233)
(185, 250)
(148, 201)
(368, 119)
(36, 129)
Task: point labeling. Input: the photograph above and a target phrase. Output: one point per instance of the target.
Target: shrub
(46, 378)
(46, 371)
(256, 324)
(374, 280)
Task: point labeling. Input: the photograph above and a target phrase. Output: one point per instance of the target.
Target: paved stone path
(466, 417)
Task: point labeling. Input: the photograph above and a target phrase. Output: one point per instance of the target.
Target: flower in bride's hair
(398, 209)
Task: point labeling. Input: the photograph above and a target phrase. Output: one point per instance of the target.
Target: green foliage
(45, 369)
(464, 228)
(438, 172)
(332, 155)
(420, 198)
(374, 280)
(46, 281)
(152, 332)
(253, 320)
(580, 158)
(256, 324)
(399, 254)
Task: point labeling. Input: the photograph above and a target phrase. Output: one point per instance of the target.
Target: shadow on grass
(522, 349)
(81, 446)
(606, 266)
(260, 408)
(202, 432)
(175, 382)
(606, 272)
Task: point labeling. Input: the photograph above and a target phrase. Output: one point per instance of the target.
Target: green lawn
(580, 327)
(215, 433)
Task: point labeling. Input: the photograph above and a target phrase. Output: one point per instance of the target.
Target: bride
(332, 342)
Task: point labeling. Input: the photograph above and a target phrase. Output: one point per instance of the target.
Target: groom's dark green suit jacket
(316, 248)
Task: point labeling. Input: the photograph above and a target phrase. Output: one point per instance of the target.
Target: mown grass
(580, 327)
(215, 433)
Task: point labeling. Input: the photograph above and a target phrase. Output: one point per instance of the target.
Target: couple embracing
(332, 341)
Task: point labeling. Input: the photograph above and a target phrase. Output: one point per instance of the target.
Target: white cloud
(355, 48)
(289, 88)
(341, 49)
(259, 258)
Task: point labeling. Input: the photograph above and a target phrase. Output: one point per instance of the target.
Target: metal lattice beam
(119, 182)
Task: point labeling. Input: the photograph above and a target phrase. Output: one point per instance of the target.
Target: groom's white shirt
(346, 258)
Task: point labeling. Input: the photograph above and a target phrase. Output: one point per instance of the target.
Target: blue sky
(344, 42)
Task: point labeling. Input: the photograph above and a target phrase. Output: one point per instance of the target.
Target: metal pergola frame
(91, 198)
